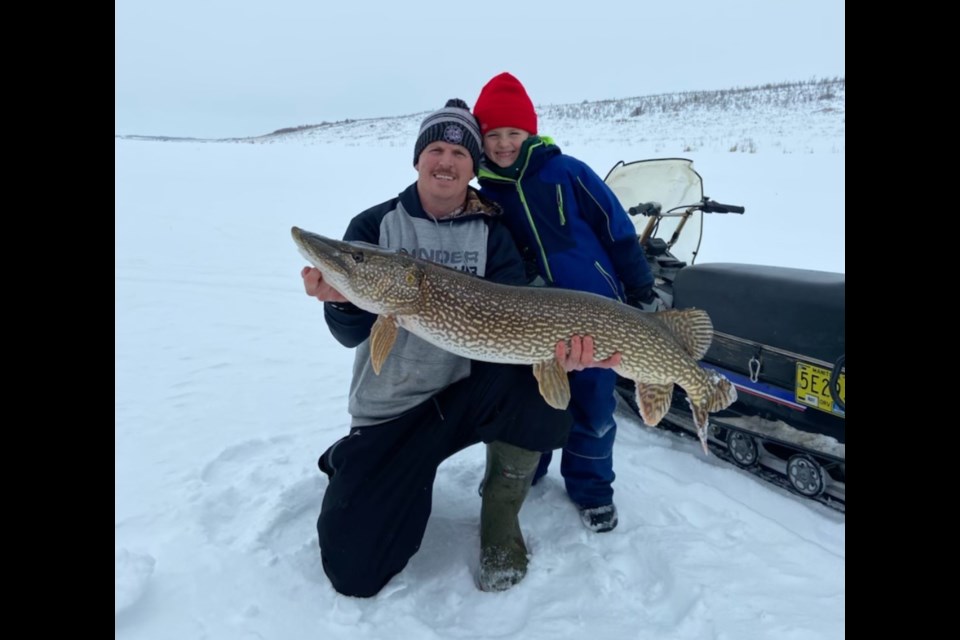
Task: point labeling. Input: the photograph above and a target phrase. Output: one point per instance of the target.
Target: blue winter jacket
(560, 211)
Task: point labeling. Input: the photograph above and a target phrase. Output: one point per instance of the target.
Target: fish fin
(554, 384)
(654, 401)
(382, 336)
(701, 422)
(692, 328)
(721, 392)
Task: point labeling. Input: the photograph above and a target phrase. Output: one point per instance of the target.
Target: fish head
(375, 279)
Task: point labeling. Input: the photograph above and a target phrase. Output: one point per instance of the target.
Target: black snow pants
(380, 494)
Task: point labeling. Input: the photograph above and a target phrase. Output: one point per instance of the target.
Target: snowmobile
(778, 337)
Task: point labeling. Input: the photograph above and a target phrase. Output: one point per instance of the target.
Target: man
(427, 404)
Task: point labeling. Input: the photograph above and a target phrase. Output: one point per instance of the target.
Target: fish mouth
(322, 252)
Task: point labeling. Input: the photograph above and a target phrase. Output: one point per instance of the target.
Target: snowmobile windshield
(675, 187)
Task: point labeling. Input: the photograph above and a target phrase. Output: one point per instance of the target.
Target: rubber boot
(542, 467)
(503, 554)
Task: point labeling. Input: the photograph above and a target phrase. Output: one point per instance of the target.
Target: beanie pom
(458, 103)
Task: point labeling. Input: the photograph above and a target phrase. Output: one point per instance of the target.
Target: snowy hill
(794, 117)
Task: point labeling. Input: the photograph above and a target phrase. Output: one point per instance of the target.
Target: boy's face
(502, 145)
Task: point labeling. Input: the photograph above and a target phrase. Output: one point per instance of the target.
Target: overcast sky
(217, 68)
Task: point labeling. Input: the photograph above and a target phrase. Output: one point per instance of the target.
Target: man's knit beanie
(453, 124)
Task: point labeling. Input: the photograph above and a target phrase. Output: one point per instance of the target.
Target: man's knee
(353, 567)
(349, 579)
(525, 418)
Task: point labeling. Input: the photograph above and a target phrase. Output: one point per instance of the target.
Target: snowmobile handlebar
(645, 209)
(709, 206)
(653, 209)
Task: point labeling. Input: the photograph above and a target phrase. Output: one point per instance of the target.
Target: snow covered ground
(228, 386)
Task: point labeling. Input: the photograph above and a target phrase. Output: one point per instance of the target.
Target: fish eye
(358, 257)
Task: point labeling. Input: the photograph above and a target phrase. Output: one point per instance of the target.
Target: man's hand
(316, 286)
(581, 354)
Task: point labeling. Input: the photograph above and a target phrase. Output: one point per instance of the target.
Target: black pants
(380, 494)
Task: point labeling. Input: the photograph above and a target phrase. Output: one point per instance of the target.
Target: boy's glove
(645, 300)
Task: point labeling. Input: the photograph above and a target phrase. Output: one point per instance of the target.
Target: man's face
(502, 145)
(444, 170)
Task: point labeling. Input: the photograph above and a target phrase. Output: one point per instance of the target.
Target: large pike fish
(484, 320)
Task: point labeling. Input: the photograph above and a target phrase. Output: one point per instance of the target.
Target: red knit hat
(503, 102)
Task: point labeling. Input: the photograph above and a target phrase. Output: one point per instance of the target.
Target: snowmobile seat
(798, 310)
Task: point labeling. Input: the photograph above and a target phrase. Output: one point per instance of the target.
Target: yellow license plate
(813, 388)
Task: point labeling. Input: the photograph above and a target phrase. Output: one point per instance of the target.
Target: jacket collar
(475, 205)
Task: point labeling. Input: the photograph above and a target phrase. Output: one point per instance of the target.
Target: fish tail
(720, 393)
